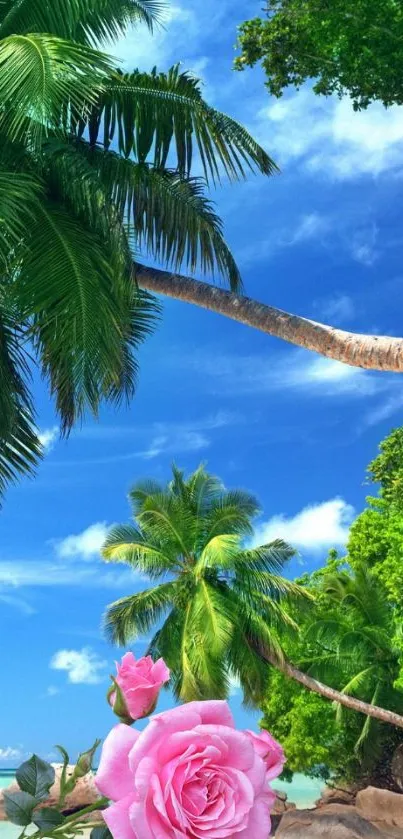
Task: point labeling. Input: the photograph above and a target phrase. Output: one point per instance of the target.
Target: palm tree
(214, 595)
(355, 646)
(221, 608)
(94, 163)
(373, 352)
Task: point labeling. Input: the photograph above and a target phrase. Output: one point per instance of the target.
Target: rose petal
(259, 822)
(114, 778)
(117, 818)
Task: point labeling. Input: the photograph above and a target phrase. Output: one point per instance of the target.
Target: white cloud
(52, 690)
(363, 245)
(330, 137)
(85, 545)
(383, 411)
(186, 441)
(306, 228)
(17, 603)
(293, 370)
(310, 227)
(315, 528)
(339, 308)
(48, 436)
(30, 573)
(9, 753)
(82, 666)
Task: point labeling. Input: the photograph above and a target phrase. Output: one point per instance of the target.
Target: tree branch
(373, 352)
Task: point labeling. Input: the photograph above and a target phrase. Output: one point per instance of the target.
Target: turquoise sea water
(302, 791)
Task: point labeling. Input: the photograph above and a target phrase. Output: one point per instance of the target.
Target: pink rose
(188, 775)
(139, 685)
(270, 751)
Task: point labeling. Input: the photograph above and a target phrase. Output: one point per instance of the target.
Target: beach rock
(336, 821)
(397, 767)
(84, 793)
(381, 805)
(333, 795)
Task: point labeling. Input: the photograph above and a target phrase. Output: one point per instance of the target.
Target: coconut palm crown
(217, 602)
(94, 164)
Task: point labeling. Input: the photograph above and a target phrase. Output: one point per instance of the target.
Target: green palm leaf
(77, 19)
(168, 215)
(19, 201)
(20, 449)
(44, 82)
(126, 544)
(84, 320)
(135, 615)
(157, 115)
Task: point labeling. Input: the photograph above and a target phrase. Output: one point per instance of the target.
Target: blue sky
(324, 240)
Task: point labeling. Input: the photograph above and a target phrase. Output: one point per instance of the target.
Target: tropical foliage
(94, 164)
(376, 537)
(352, 639)
(218, 602)
(349, 47)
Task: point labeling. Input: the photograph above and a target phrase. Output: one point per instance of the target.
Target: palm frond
(44, 82)
(163, 519)
(155, 116)
(86, 320)
(20, 448)
(166, 215)
(137, 614)
(231, 512)
(79, 20)
(271, 557)
(251, 583)
(126, 544)
(220, 553)
(141, 491)
(19, 201)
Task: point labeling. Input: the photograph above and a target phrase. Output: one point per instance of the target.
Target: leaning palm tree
(95, 164)
(214, 595)
(220, 608)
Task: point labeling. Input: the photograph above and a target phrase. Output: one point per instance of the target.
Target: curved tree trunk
(334, 695)
(373, 352)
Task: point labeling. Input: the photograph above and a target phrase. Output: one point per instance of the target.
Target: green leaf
(45, 81)
(48, 818)
(19, 807)
(101, 832)
(155, 116)
(36, 777)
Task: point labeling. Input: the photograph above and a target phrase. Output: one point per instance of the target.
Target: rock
(280, 804)
(396, 767)
(333, 795)
(336, 821)
(381, 805)
(84, 793)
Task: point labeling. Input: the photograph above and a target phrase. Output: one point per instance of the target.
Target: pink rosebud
(137, 686)
(190, 774)
(270, 751)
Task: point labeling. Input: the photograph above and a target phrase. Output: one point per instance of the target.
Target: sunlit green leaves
(44, 82)
(77, 19)
(221, 610)
(162, 117)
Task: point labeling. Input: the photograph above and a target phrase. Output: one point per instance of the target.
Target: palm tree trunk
(373, 352)
(334, 695)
